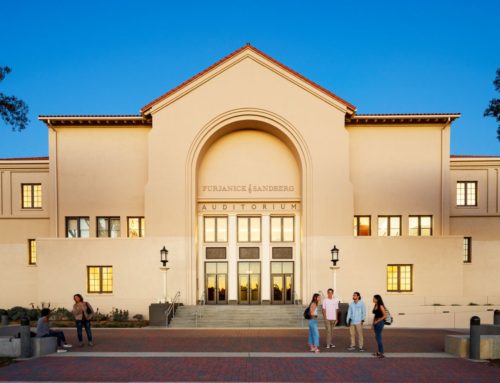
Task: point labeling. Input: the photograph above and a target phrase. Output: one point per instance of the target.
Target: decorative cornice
(403, 118)
(103, 120)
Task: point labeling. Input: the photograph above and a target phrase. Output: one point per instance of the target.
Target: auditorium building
(249, 174)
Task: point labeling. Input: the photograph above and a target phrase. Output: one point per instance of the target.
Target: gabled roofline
(351, 108)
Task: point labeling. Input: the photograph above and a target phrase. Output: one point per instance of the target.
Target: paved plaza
(244, 355)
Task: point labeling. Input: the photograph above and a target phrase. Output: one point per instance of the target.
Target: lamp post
(335, 258)
(164, 269)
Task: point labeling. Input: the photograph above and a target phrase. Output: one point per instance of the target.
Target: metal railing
(199, 312)
(171, 308)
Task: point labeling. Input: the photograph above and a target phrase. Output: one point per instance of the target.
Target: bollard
(475, 338)
(25, 338)
(496, 318)
(4, 320)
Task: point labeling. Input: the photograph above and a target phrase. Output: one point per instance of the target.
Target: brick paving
(284, 366)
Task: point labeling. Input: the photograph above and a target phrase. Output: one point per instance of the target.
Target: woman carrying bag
(83, 312)
(380, 313)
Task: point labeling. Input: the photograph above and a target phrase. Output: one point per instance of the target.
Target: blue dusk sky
(115, 56)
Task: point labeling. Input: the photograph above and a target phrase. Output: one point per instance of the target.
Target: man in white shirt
(330, 312)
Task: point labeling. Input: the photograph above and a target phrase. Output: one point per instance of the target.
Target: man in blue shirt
(355, 318)
(43, 330)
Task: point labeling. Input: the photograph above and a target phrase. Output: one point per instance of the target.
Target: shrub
(473, 304)
(3, 312)
(17, 312)
(138, 317)
(61, 313)
(119, 315)
(98, 316)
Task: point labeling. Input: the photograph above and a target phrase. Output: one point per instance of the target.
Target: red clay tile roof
(250, 47)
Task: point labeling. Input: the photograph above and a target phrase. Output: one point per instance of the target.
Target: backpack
(388, 317)
(89, 311)
(307, 313)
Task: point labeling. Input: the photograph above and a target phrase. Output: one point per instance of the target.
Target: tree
(493, 109)
(12, 110)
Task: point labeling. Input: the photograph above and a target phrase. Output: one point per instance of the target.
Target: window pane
(26, 203)
(102, 227)
(275, 229)
(405, 277)
(107, 280)
(467, 249)
(209, 229)
(364, 226)
(413, 226)
(221, 229)
(288, 267)
(471, 193)
(382, 226)
(426, 225)
(243, 267)
(94, 279)
(395, 223)
(276, 268)
(32, 251)
(211, 268)
(392, 278)
(222, 267)
(37, 196)
(255, 229)
(355, 226)
(460, 193)
(133, 227)
(115, 227)
(84, 227)
(143, 227)
(288, 227)
(255, 267)
(243, 229)
(72, 227)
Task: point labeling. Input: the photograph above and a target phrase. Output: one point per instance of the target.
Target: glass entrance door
(282, 283)
(216, 282)
(249, 283)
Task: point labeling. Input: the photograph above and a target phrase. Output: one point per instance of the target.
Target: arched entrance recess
(218, 267)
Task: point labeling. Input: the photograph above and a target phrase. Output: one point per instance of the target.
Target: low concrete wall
(459, 345)
(10, 347)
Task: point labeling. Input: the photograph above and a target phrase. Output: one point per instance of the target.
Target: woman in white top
(313, 324)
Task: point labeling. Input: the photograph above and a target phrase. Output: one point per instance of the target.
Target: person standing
(330, 313)
(378, 323)
(83, 312)
(43, 330)
(313, 324)
(356, 315)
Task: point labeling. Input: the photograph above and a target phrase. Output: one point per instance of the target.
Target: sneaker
(327, 346)
(61, 350)
(67, 345)
(351, 348)
(91, 343)
(332, 346)
(80, 344)
(361, 349)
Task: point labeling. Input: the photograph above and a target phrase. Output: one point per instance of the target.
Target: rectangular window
(31, 196)
(100, 279)
(77, 227)
(399, 278)
(282, 229)
(420, 225)
(32, 251)
(215, 229)
(108, 227)
(362, 225)
(135, 227)
(467, 249)
(467, 193)
(389, 226)
(249, 229)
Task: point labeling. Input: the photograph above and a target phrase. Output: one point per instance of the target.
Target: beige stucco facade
(249, 141)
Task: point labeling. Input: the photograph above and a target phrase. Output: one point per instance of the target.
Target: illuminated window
(215, 229)
(108, 227)
(100, 279)
(249, 229)
(31, 251)
(420, 225)
(135, 227)
(362, 225)
(467, 249)
(389, 226)
(77, 227)
(467, 193)
(399, 278)
(282, 229)
(31, 196)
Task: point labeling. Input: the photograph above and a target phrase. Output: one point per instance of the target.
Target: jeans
(378, 335)
(313, 332)
(61, 339)
(79, 325)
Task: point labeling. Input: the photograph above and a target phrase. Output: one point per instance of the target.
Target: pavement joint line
(116, 354)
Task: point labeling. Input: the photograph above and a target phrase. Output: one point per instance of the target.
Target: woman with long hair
(378, 323)
(313, 323)
(83, 313)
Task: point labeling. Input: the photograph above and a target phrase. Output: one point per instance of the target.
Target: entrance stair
(239, 316)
